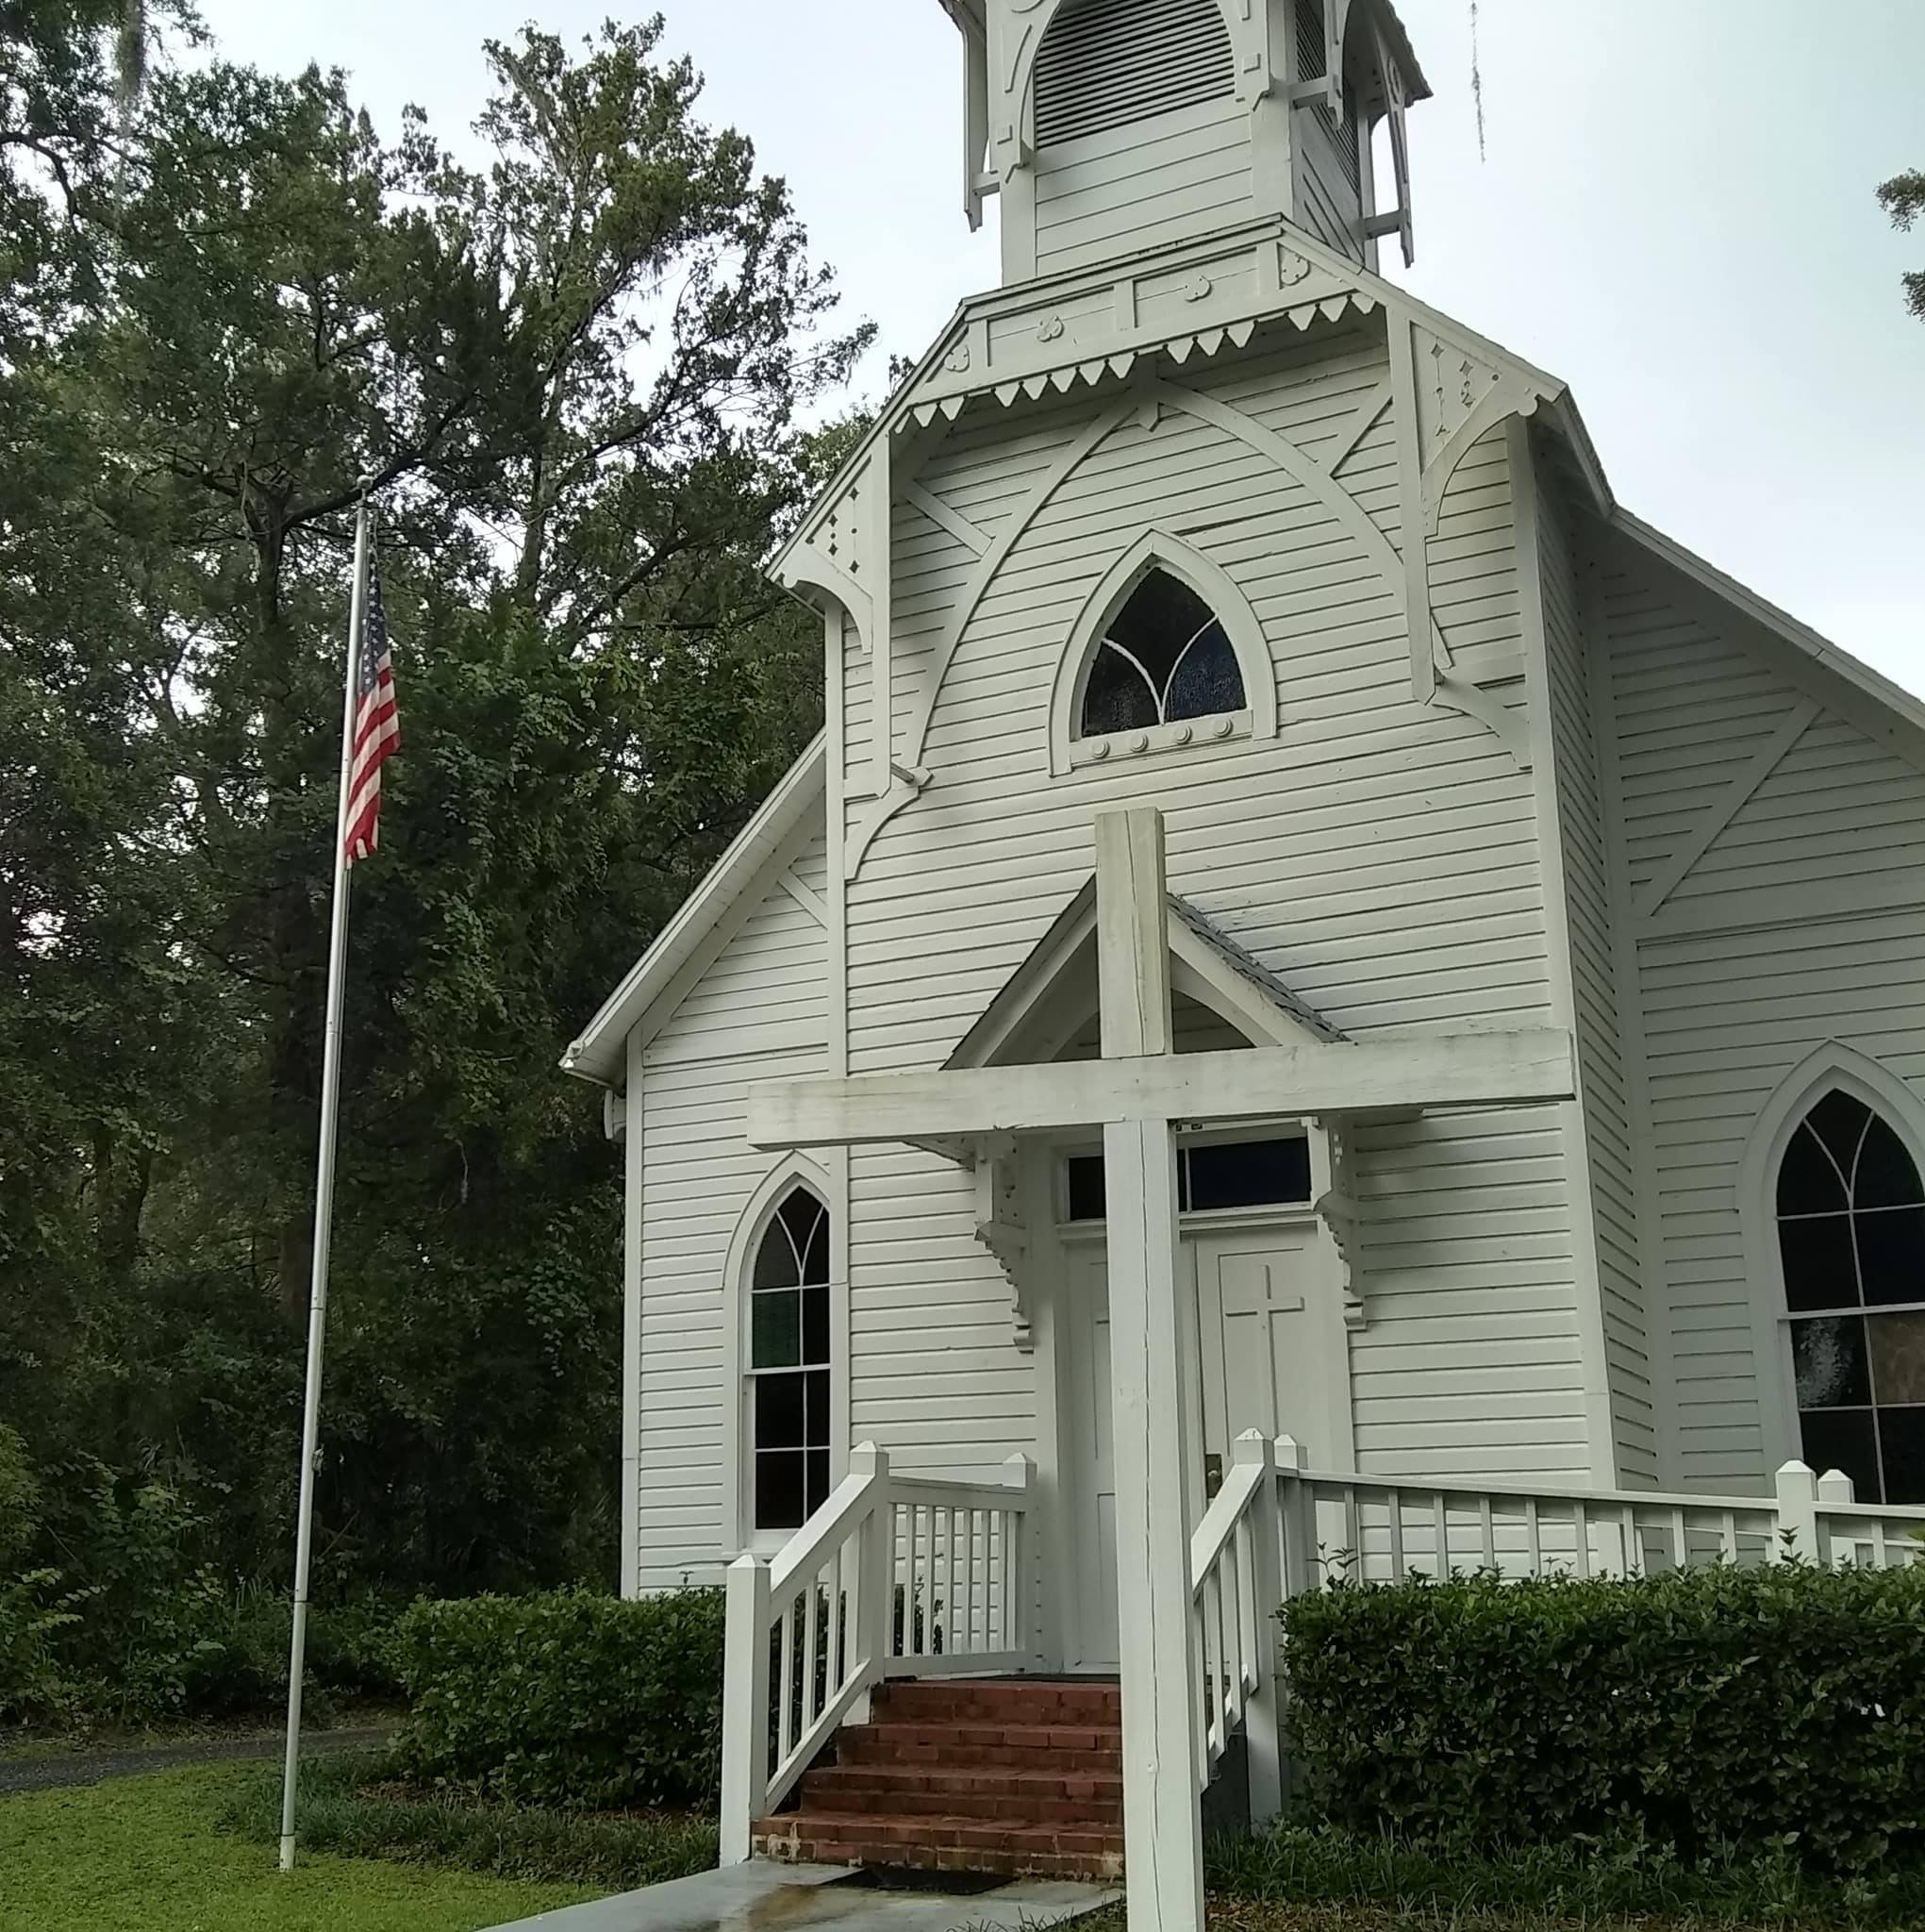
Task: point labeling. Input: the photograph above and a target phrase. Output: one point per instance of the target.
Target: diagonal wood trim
(1416, 1071)
(807, 897)
(945, 519)
(1360, 426)
(1764, 761)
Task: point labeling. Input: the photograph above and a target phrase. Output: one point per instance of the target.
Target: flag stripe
(377, 724)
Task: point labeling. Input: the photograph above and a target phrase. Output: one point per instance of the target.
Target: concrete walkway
(763, 1896)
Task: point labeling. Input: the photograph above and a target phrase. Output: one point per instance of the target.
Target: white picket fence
(1278, 1528)
(893, 1576)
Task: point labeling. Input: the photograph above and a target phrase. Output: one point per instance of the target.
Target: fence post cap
(1291, 1453)
(1795, 1473)
(1253, 1447)
(869, 1459)
(1017, 1470)
(748, 1560)
(1835, 1486)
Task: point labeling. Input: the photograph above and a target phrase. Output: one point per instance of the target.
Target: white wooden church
(1325, 989)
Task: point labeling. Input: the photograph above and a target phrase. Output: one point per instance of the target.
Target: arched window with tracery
(1164, 657)
(788, 1365)
(1850, 1215)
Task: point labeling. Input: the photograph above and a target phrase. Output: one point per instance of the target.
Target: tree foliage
(580, 380)
(1903, 198)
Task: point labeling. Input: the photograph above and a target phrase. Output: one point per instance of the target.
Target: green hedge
(568, 1697)
(1782, 1706)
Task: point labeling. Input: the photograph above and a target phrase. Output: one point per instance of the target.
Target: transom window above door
(1164, 659)
(1211, 1176)
(1850, 1211)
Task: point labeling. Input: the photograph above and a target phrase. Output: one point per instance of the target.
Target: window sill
(1158, 740)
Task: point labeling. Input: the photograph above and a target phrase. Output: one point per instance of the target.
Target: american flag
(377, 725)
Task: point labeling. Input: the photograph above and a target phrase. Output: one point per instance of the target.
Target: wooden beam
(1417, 1071)
(1149, 1349)
(1132, 934)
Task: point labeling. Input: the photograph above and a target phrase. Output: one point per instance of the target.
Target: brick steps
(1014, 1776)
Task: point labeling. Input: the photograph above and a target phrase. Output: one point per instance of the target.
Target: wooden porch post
(1162, 1815)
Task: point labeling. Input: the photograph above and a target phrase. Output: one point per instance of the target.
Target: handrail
(892, 1577)
(1236, 1586)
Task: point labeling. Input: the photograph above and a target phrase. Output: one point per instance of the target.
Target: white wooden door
(1273, 1352)
(1266, 1351)
(1091, 1627)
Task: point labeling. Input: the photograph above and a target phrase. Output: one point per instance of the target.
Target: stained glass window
(1163, 657)
(788, 1363)
(1851, 1235)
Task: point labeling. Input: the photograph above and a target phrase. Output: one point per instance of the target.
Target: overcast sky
(1673, 212)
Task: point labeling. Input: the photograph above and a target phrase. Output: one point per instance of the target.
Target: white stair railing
(1379, 1529)
(1236, 1585)
(893, 1576)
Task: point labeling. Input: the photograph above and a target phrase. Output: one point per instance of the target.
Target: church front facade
(1198, 515)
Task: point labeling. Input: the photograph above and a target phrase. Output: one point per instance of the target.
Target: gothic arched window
(1850, 1213)
(1163, 657)
(788, 1363)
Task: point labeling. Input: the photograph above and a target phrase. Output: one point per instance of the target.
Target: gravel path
(35, 1774)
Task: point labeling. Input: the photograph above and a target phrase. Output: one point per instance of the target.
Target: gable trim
(1887, 713)
(1206, 965)
(709, 916)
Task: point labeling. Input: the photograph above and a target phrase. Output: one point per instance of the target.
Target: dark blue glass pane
(1162, 615)
(1885, 1177)
(1248, 1174)
(1819, 1270)
(775, 1329)
(1838, 1121)
(1829, 1355)
(776, 1265)
(780, 1420)
(1843, 1438)
(1086, 1187)
(1208, 679)
(1809, 1182)
(815, 1325)
(1901, 1432)
(817, 1389)
(1115, 698)
(780, 1490)
(1891, 1254)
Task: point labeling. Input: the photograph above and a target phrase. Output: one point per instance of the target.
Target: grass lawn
(143, 1855)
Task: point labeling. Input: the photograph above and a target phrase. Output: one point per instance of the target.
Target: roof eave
(599, 1053)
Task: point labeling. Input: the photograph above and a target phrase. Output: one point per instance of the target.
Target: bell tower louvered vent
(1107, 63)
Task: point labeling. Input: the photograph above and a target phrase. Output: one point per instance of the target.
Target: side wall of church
(758, 1012)
(1591, 923)
(1380, 855)
(1801, 920)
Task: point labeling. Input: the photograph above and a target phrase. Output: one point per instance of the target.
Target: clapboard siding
(1747, 981)
(758, 1012)
(1381, 855)
(1328, 202)
(1129, 187)
(1590, 928)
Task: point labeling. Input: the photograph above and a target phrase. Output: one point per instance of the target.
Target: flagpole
(324, 1196)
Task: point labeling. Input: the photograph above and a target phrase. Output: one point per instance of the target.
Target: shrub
(567, 1698)
(350, 1804)
(20, 1500)
(1777, 1706)
(33, 1614)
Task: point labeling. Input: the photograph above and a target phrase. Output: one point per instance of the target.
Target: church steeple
(1110, 125)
